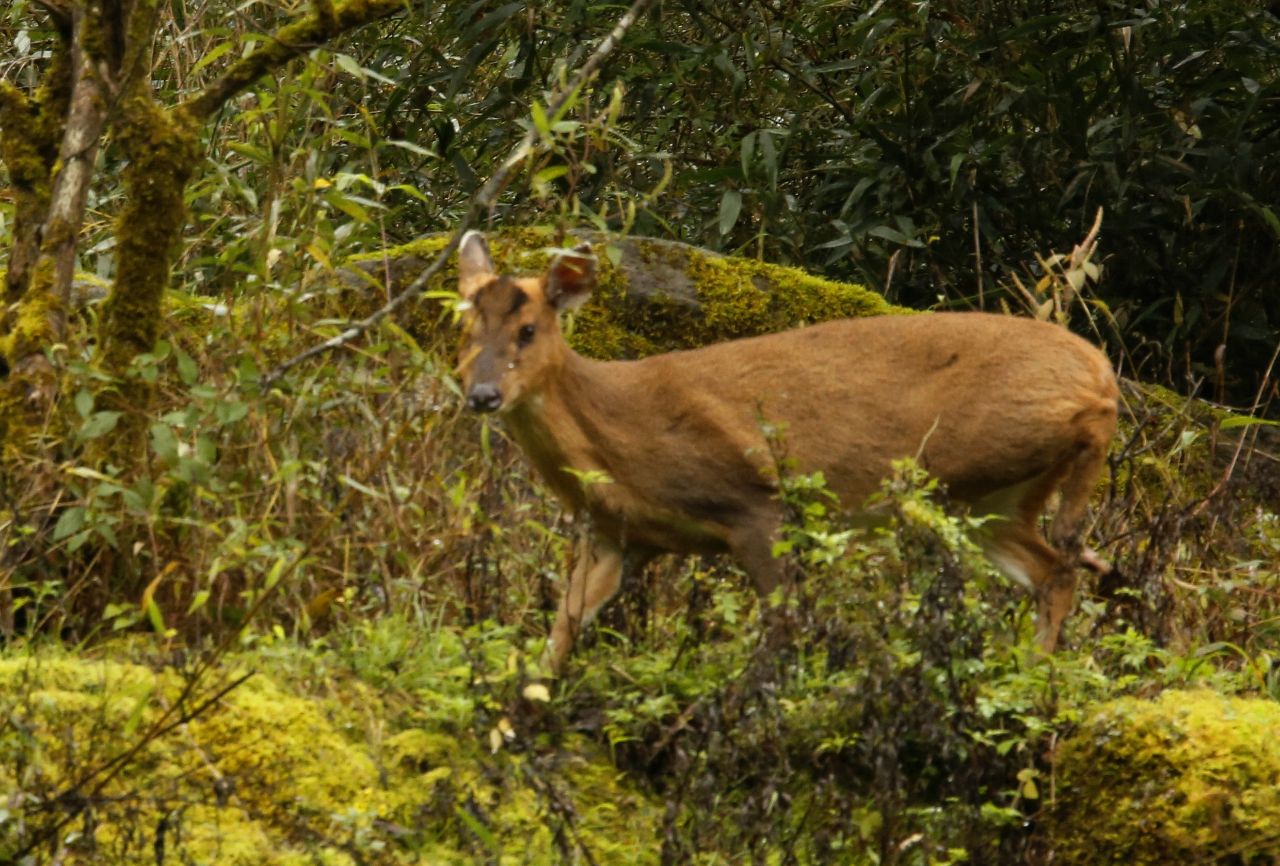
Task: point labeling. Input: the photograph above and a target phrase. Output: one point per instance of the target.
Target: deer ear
(571, 278)
(475, 267)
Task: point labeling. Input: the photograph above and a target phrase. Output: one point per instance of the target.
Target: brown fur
(1005, 411)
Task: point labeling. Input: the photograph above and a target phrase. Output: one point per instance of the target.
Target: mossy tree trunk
(29, 148)
(163, 151)
(99, 82)
(44, 246)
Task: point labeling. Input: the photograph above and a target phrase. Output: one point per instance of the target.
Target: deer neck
(562, 425)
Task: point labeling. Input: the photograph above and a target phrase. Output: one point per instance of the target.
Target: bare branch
(85, 119)
(482, 200)
(59, 11)
(290, 41)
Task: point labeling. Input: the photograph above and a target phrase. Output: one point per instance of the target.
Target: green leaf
(363, 488)
(483, 833)
(211, 56)
(892, 234)
(164, 443)
(69, 522)
(76, 541)
(135, 716)
(1245, 421)
(107, 534)
(769, 154)
(206, 450)
(408, 189)
(540, 119)
(730, 208)
(155, 616)
(277, 571)
(84, 402)
(347, 205)
(231, 412)
(1271, 219)
(412, 148)
(187, 369)
(247, 370)
(98, 424)
(957, 160)
(201, 597)
(348, 64)
(548, 174)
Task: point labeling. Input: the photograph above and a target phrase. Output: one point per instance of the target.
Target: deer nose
(484, 397)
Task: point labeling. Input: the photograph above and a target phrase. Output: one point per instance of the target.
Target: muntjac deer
(1005, 411)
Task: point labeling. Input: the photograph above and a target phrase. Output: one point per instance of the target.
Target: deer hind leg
(596, 576)
(1079, 477)
(752, 546)
(1016, 548)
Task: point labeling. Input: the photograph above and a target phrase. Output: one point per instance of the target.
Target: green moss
(305, 765)
(30, 134)
(1192, 777)
(36, 324)
(163, 151)
(739, 298)
(423, 249)
(28, 390)
(725, 298)
(718, 298)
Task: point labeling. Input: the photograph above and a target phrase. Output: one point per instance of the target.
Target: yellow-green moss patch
(291, 768)
(652, 295)
(1192, 777)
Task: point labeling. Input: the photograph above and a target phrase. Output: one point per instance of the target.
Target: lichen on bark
(163, 150)
(29, 136)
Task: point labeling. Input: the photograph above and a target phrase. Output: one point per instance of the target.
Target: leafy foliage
(889, 710)
(886, 712)
(925, 149)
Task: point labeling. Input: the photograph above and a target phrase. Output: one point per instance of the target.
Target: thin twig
(977, 256)
(1249, 432)
(102, 775)
(483, 200)
(74, 802)
(292, 40)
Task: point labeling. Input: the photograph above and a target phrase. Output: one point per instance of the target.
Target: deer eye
(525, 335)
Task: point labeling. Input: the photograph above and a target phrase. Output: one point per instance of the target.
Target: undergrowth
(887, 711)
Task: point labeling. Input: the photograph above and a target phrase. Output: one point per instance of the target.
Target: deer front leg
(596, 576)
(752, 546)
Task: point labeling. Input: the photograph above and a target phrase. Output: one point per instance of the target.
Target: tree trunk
(163, 151)
(45, 283)
(29, 135)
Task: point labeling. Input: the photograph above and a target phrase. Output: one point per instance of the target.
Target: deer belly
(704, 528)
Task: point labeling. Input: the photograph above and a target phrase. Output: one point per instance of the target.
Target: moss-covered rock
(300, 767)
(1192, 777)
(653, 295)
